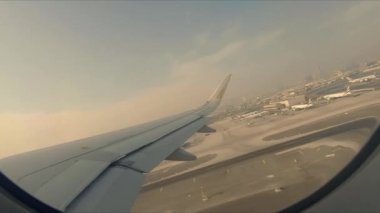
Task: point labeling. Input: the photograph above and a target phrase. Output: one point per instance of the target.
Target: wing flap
(60, 184)
(181, 155)
(104, 172)
(150, 136)
(125, 176)
(149, 157)
(18, 166)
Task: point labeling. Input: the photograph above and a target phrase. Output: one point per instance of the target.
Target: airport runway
(341, 86)
(252, 169)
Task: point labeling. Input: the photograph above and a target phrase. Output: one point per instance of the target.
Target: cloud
(359, 10)
(24, 132)
(191, 82)
(268, 38)
(258, 62)
(355, 15)
(207, 63)
(202, 38)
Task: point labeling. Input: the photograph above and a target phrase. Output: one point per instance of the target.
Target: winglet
(219, 92)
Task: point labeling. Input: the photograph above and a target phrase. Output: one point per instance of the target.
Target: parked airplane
(254, 114)
(362, 79)
(102, 173)
(338, 95)
(302, 106)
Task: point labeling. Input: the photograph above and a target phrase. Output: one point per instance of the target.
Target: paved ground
(242, 168)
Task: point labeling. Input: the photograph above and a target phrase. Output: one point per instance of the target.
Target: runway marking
(203, 195)
(278, 189)
(330, 155)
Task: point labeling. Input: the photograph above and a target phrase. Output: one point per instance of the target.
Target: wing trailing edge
(108, 177)
(181, 155)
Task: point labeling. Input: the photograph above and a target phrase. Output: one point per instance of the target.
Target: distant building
(371, 63)
(308, 78)
(285, 103)
(372, 69)
(274, 107)
(372, 66)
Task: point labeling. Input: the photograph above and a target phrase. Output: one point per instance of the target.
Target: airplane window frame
(368, 151)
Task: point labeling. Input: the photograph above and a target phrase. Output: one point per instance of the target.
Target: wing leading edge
(104, 173)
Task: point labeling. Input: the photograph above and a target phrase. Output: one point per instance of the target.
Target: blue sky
(104, 65)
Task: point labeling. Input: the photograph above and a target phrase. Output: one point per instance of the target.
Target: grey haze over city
(69, 70)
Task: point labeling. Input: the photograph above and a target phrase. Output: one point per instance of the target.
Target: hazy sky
(73, 69)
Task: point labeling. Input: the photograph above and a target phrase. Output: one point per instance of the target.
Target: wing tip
(221, 89)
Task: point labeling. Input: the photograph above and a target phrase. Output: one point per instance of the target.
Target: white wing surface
(103, 173)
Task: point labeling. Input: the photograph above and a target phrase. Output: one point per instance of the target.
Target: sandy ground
(266, 182)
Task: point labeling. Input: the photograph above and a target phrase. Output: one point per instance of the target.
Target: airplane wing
(103, 173)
